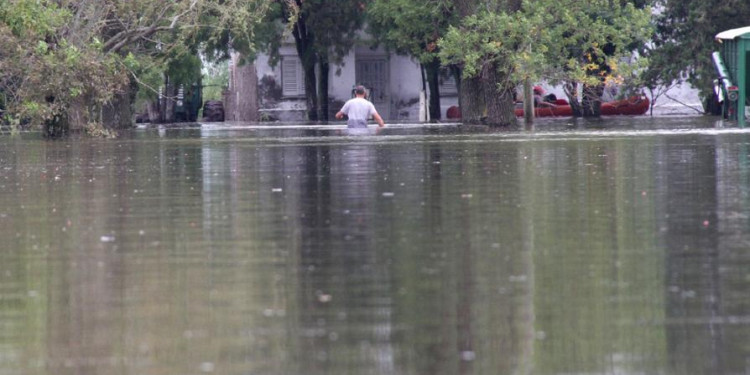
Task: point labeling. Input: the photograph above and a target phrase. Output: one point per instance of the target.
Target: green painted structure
(732, 64)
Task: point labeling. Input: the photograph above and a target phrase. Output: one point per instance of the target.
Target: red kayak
(635, 105)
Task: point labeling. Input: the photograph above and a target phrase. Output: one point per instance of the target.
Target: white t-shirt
(358, 109)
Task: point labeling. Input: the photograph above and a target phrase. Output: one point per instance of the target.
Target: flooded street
(619, 246)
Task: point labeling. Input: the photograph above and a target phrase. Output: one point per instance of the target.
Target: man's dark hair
(359, 90)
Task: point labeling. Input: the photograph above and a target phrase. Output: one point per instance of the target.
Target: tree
(490, 47)
(323, 31)
(89, 54)
(684, 40)
(470, 98)
(41, 83)
(414, 27)
(587, 40)
(502, 43)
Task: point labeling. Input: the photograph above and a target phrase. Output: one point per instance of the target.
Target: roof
(734, 33)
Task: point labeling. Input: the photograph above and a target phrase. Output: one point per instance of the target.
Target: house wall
(406, 84)
(403, 80)
(273, 104)
(341, 79)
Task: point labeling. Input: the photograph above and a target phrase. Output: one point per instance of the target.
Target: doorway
(373, 74)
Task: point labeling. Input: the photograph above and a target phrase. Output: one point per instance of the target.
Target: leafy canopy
(85, 51)
(550, 39)
(411, 27)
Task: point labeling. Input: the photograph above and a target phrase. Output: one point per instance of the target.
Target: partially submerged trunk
(168, 100)
(571, 91)
(432, 70)
(120, 112)
(305, 42)
(499, 97)
(470, 100)
(591, 103)
(311, 94)
(325, 68)
(242, 100)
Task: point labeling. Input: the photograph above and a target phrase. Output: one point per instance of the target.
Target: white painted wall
(404, 81)
(341, 79)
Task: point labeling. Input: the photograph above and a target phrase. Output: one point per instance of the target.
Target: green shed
(733, 64)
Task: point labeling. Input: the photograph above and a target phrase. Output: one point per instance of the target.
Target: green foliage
(555, 40)
(334, 24)
(41, 83)
(215, 79)
(411, 26)
(76, 55)
(184, 69)
(496, 39)
(33, 19)
(684, 40)
(588, 39)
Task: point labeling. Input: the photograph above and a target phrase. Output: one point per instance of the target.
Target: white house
(394, 81)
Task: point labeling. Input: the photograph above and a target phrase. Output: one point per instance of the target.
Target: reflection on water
(613, 247)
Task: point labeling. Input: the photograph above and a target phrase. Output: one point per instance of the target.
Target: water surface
(607, 247)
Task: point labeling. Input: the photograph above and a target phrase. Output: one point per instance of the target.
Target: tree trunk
(591, 102)
(78, 114)
(119, 113)
(470, 99)
(305, 42)
(498, 95)
(311, 93)
(325, 68)
(153, 111)
(571, 91)
(433, 80)
(242, 103)
(170, 95)
(528, 103)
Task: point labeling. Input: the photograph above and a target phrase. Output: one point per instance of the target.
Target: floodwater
(613, 247)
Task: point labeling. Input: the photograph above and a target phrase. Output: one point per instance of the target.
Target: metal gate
(373, 74)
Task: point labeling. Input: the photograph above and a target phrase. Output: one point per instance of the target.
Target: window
(292, 77)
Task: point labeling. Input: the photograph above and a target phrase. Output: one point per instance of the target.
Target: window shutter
(291, 76)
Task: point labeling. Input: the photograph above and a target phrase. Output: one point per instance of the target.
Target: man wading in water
(359, 110)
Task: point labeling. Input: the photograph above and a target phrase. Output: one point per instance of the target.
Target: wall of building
(403, 80)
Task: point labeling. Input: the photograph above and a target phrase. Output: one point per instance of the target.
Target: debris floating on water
(468, 356)
(207, 367)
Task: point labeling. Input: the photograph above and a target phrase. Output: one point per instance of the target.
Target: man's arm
(339, 115)
(378, 119)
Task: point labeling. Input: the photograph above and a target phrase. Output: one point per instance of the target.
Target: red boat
(635, 105)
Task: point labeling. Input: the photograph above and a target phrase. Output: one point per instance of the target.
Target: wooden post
(528, 104)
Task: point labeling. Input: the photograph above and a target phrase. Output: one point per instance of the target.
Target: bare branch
(699, 110)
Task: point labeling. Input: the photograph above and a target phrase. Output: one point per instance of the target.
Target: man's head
(538, 90)
(360, 90)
